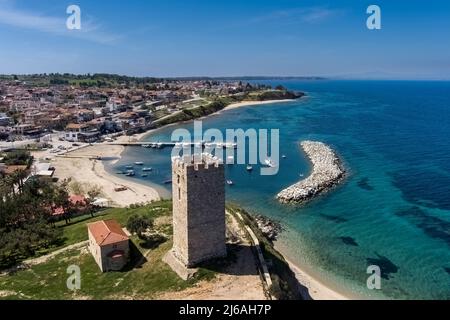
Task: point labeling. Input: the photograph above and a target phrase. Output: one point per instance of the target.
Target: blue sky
(228, 38)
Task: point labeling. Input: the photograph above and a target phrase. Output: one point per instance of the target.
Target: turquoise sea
(393, 210)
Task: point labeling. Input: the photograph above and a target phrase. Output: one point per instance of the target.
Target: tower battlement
(198, 162)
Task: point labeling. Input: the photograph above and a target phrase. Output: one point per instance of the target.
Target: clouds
(13, 17)
(310, 15)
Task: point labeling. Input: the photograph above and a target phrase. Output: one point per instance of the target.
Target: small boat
(147, 169)
(284, 156)
(159, 145)
(269, 163)
(130, 173)
(129, 167)
(144, 175)
(249, 168)
(230, 160)
(120, 172)
(230, 182)
(139, 163)
(145, 146)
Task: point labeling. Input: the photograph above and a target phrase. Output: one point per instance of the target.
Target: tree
(61, 200)
(92, 194)
(25, 213)
(139, 225)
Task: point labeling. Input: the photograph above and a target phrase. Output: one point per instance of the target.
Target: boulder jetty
(327, 172)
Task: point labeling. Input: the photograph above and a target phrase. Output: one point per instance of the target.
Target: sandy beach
(79, 166)
(253, 103)
(313, 289)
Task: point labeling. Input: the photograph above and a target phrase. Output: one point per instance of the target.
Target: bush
(139, 225)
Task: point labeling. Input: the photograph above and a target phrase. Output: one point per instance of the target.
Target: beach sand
(254, 103)
(78, 166)
(313, 289)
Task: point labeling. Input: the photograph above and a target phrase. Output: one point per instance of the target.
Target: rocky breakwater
(327, 172)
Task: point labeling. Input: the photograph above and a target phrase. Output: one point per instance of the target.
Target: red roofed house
(109, 245)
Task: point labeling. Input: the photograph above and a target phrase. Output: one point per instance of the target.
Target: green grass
(47, 281)
(76, 230)
(147, 281)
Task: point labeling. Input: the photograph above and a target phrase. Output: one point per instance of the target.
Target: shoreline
(253, 103)
(82, 166)
(309, 285)
(327, 172)
(232, 106)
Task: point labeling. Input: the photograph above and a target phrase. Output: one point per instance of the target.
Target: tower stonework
(198, 212)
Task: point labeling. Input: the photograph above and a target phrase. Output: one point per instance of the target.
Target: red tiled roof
(107, 232)
(76, 199)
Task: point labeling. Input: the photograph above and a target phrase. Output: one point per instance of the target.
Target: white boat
(269, 163)
(144, 175)
(145, 146)
(139, 163)
(231, 145)
(230, 182)
(249, 168)
(230, 160)
(130, 173)
(284, 156)
(159, 145)
(147, 169)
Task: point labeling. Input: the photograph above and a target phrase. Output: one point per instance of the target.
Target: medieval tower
(198, 211)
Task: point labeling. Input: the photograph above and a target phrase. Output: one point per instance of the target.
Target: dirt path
(43, 259)
(32, 262)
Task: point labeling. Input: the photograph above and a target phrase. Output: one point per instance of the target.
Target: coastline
(75, 163)
(232, 106)
(253, 103)
(310, 287)
(83, 167)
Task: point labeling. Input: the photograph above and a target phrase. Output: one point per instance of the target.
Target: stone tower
(198, 211)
